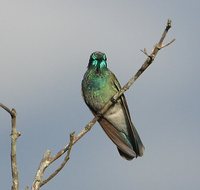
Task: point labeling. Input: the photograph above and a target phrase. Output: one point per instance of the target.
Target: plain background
(44, 50)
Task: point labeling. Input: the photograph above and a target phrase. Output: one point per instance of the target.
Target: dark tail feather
(137, 144)
(124, 155)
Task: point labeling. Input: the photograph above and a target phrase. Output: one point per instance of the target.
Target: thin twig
(168, 43)
(6, 108)
(145, 52)
(63, 163)
(45, 162)
(13, 155)
(76, 138)
(88, 127)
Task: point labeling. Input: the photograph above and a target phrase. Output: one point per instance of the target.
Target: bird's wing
(118, 139)
(136, 142)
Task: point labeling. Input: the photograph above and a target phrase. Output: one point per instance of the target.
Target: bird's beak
(98, 68)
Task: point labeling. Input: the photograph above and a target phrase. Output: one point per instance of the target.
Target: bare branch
(13, 155)
(6, 108)
(168, 44)
(63, 163)
(41, 169)
(45, 162)
(145, 52)
(14, 136)
(87, 128)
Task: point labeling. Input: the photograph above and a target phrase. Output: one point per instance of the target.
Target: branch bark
(87, 128)
(13, 155)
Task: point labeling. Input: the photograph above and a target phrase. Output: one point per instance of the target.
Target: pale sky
(44, 51)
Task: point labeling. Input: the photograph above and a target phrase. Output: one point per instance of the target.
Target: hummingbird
(99, 85)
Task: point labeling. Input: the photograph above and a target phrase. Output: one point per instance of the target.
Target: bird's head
(97, 61)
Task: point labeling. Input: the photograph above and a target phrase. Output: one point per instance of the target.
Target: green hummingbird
(99, 85)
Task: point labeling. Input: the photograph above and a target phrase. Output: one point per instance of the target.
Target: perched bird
(99, 85)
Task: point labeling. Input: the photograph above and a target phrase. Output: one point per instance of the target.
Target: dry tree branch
(6, 108)
(87, 128)
(41, 169)
(13, 155)
(63, 163)
(45, 162)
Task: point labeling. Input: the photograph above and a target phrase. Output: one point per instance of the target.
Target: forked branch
(47, 159)
(87, 128)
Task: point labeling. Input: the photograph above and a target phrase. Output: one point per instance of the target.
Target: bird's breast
(97, 92)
